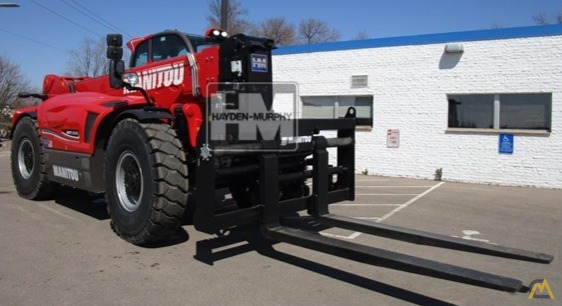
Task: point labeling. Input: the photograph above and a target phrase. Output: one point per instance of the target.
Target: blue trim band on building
(425, 39)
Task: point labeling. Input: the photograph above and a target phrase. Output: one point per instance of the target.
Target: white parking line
(399, 208)
(386, 194)
(350, 237)
(359, 204)
(418, 186)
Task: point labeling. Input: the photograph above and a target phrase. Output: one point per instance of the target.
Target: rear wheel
(146, 177)
(28, 168)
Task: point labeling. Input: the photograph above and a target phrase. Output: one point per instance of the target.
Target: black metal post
(269, 190)
(320, 176)
(204, 214)
(224, 15)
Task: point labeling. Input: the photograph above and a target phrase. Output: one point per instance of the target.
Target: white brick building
(449, 107)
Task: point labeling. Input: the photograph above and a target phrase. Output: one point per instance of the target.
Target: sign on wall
(505, 144)
(392, 138)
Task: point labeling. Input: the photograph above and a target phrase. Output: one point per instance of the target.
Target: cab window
(167, 46)
(141, 55)
(159, 48)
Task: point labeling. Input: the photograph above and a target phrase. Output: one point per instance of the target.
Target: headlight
(130, 78)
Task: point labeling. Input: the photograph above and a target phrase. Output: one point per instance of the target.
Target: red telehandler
(145, 137)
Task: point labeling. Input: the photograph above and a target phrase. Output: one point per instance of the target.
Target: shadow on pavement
(83, 202)
(255, 242)
(93, 205)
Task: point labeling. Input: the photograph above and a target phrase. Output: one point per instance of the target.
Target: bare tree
(496, 25)
(361, 35)
(12, 82)
(541, 18)
(235, 20)
(278, 29)
(544, 19)
(89, 59)
(313, 31)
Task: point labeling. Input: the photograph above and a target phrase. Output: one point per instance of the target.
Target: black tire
(147, 183)
(28, 167)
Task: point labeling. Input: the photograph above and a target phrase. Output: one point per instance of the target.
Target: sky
(38, 35)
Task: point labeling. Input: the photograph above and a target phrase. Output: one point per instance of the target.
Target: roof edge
(425, 39)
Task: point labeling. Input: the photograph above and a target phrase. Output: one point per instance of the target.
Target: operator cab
(166, 45)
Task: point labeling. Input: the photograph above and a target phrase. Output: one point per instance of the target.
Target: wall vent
(359, 81)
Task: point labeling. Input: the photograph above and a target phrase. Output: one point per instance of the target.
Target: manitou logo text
(161, 76)
(66, 173)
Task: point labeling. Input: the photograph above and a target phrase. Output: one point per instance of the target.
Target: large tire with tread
(147, 183)
(28, 167)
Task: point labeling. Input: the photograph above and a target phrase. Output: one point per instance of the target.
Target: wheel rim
(128, 181)
(26, 161)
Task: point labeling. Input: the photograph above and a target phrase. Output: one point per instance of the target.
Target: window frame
(134, 57)
(366, 124)
(496, 129)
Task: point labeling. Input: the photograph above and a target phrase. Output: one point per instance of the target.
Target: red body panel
(63, 120)
(56, 85)
(208, 64)
(70, 121)
(194, 118)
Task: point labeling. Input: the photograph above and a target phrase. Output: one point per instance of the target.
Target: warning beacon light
(216, 34)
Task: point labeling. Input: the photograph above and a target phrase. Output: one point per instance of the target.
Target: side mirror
(116, 64)
(116, 71)
(114, 46)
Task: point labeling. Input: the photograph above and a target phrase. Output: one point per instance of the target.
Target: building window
(529, 111)
(332, 106)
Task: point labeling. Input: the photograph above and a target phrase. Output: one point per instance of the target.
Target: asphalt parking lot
(63, 252)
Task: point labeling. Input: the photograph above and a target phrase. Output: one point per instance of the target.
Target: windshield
(200, 42)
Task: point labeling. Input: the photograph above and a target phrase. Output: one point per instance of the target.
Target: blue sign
(259, 63)
(506, 142)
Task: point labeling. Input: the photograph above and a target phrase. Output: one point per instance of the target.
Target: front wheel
(146, 177)
(28, 168)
